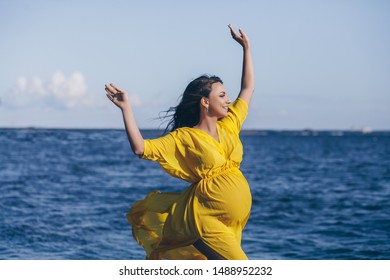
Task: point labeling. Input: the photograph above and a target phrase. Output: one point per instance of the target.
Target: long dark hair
(187, 113)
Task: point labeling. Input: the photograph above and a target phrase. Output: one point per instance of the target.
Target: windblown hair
(187, 113)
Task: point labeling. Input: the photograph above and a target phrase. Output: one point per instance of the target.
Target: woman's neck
(209, 125)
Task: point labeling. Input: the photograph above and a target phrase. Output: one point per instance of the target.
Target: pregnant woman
(203, 147)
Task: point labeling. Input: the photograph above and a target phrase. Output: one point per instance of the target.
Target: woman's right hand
(241, 38)
(117, 96)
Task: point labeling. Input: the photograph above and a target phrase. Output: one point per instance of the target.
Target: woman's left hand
(118, 96)
(241, 38)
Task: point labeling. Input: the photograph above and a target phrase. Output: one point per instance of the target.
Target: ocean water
(64, 194)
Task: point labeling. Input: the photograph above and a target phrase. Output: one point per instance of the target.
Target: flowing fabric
(214, 208)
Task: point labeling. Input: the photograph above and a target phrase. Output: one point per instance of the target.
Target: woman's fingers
(238, 37)
(109, 94)
(115, 94)
(241, 38)
(113, 88)
(243, 34)
(112, 92)
(110, 89)
(118, 90)
(233, 32)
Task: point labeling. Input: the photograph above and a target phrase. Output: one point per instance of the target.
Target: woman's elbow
(137, 148)
(138, 152)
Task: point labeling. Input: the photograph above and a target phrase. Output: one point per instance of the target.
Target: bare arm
(120, 99)
(248, 76)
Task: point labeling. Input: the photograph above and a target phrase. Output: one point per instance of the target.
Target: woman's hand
(241, 38)
(117, 96)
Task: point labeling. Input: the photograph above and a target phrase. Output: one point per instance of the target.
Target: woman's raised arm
(248, 76)
(120, 99)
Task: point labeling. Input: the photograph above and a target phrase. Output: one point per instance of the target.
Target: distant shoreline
(255, 132)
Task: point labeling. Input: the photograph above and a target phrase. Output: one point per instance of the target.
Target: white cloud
(57, 83)
(60, 91)
(70, 91)
(37, 87)
(21, 84)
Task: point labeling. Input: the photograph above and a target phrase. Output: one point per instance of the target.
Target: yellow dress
(214, 208)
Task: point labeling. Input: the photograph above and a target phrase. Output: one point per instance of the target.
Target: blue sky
(318, 64)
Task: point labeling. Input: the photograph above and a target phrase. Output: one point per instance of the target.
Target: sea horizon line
(244, 131)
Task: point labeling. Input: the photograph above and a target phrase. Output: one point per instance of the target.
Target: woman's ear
(204, 101)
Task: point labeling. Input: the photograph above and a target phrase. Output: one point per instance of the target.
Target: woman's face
(218, 101)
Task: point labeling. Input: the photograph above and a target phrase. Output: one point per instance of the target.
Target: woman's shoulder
(237, 113)
(240, 103)
(181, 132)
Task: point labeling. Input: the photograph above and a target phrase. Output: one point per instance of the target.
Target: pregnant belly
(227, 197)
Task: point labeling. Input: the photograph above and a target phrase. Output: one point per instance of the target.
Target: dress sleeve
(158, 148)
(238, 111)
(169, 153)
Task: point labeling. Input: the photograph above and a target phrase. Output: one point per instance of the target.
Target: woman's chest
(204, 152)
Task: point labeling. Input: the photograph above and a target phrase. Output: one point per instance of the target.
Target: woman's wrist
(246, 48)
(125, 107)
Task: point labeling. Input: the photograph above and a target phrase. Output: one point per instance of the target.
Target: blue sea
(64, 194)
